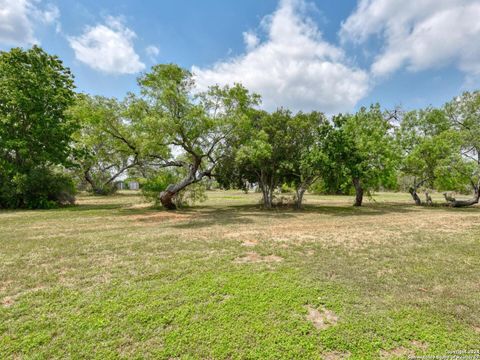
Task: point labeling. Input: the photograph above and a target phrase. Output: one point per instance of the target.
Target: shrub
(40, 188)
(286, 188)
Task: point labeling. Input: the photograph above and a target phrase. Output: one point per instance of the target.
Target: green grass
(113, 278)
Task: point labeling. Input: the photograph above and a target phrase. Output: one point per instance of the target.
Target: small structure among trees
(133, 185)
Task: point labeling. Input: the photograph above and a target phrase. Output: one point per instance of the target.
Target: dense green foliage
(441, 148)
(105, 143)
(275, 149)
(170, 132)
(180, 128)
(363, 146)
(35, 133)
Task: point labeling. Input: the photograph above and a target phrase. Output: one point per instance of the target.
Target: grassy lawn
(113, 278)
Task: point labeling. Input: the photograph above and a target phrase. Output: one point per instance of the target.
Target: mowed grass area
(114, 278)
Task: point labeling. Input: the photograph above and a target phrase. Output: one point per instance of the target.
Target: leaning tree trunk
(105, 189)
(462, 203)
(168, 195)
(416, 198)
(358, 192)
(413, 191)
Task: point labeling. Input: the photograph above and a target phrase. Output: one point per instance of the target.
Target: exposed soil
(321, 319)
(250, 243)
(335, 355)
(7, 301)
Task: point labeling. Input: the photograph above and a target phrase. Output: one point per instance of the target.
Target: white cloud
(50, 15)
(419, 34)
(108, 47)
(18, 19)
(293, 67)
(251, 40)
(152, 52)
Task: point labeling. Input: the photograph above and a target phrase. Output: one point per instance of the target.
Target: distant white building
(133, 185)
(120, 185)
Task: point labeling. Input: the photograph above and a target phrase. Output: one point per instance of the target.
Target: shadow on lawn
(91, 207)
(204, 216)
(207, 215)
(351, 211)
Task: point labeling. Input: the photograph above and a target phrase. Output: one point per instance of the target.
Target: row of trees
(177, 138)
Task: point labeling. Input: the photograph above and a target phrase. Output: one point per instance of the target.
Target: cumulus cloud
(251, 40)
(50, 15)
(293, 66)
(18, 19)
(108, 47)
(418, 34)
(152, 52)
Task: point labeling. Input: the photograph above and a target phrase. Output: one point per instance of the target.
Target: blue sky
(326, 55)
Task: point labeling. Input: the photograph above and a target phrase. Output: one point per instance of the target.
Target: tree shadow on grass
(91, 207)
(234, 214)
(208, 215)
(351, 211)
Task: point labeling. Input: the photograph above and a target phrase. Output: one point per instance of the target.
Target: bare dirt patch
(321, 319)
(253, 257)
(399, 352)
(403, 352)
(8, 301)
(335, 355)
(420, 345)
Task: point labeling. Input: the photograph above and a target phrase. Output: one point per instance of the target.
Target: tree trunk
(166, 198)
(428, 199)
(299, 196)
(413, 191)
(267, 190)
(462, 203)
(416, 198)
(358, 192)
(267, 194)
(104, 189)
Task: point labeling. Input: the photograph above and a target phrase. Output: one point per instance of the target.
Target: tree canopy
(173, 138)
(35, 133)
(105, 142)
(363, 146)
(181, 128)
